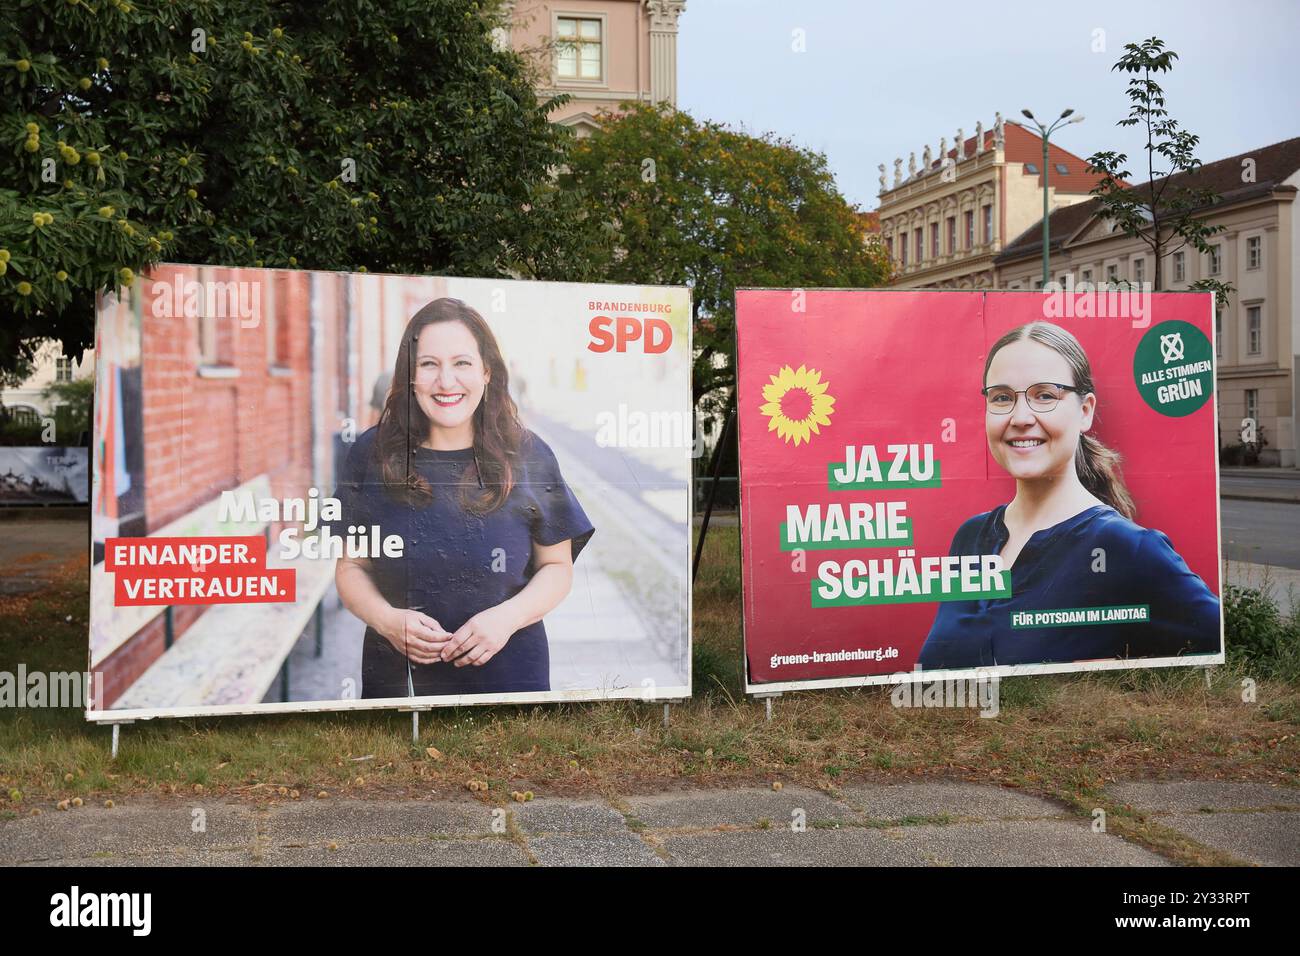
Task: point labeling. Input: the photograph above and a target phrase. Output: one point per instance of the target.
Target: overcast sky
(879, 80)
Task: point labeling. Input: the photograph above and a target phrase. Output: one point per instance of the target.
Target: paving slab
(174, 859)
(1021, 843)
(625, 849)
(899, 801)
(998, 843)
(706, 809)
(140, 828)
(488, 851)
(361, 820)
(569, 816)
(1267, 838)
(847, 846)
(1192, 795)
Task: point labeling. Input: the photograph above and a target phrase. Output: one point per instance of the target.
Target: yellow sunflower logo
(797, 403)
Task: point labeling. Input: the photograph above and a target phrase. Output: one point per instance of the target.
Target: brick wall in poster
(214, 421)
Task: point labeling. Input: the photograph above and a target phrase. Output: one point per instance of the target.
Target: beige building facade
(1257, 252)
(599, 52)
(946, 219)
(27, 401)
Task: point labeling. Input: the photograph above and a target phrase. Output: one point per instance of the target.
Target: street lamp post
(1045, 132)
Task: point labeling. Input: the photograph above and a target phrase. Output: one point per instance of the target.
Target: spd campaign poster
(326, 491)
(942, 484)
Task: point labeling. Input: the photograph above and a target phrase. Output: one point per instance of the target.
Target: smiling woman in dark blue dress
(490, 529)
(1068, 536)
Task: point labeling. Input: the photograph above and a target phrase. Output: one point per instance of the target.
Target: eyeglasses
(1042, 397)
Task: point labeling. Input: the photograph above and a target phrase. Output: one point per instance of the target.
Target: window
(889, 246)
(1031, 168)
(1252, 404)
(969, 223)
(216, 335)
(1087, 276)
(1062, 169)
(63, 369)
(919, 238)
(1254, 252)
(1139, 270)
(1216, 260)
(1218, 333)
(988, 224)
(277, 332)
(1254, 330)
(934, 239)
(1180, 266)
(952, 234)
(209, 349)
(25, 415)
(578, 49)
(902, 250)
(1112, 274)
(1063, 279)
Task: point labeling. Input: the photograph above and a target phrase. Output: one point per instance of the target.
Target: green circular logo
(1174, 368)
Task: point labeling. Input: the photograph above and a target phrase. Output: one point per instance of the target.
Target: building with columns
(1257, 334)
(946, 219)
(600, 52)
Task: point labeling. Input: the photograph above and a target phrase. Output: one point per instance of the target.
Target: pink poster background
(899, 364)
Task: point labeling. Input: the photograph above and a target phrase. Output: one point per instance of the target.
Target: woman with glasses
(1068, 536)
(490, 529)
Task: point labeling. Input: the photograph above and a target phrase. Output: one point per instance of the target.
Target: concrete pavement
(1261, 532)
(1282, 583)
(1253, 822)
(909, 824)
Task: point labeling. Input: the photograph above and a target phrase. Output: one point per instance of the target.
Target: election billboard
(326, 491)
(44, 475)
(936, 484)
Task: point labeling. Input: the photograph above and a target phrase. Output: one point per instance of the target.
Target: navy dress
(1054, 571)
(456, 563)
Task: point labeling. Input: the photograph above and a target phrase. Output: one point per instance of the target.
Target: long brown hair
(486, 483)
(1097, 465)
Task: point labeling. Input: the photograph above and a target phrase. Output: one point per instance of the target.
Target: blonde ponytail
(1098, 469)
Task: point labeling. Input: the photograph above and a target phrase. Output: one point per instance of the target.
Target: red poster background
(898, 365)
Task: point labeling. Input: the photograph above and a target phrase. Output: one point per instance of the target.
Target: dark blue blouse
(456, 563)
(1054, 571)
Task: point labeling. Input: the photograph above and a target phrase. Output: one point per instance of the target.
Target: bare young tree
(1162, 212)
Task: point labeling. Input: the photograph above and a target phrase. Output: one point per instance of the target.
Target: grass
(1062, 736)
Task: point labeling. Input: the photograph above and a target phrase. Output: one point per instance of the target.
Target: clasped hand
(424, 641)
